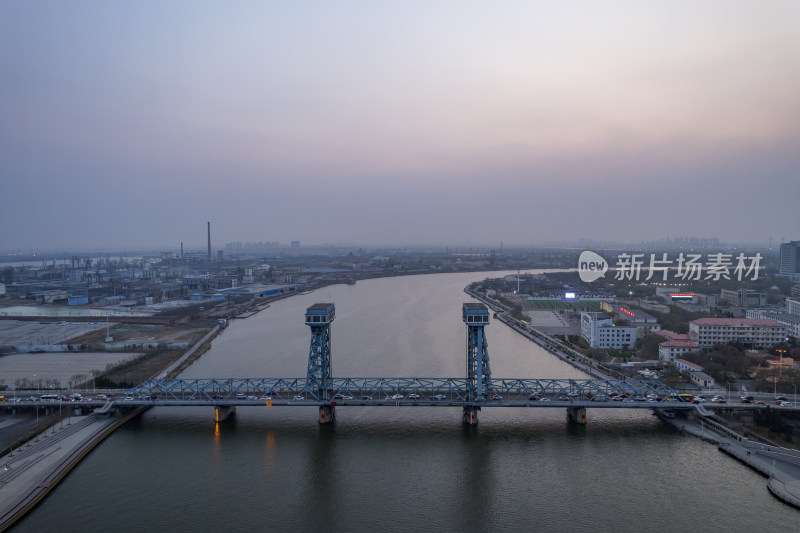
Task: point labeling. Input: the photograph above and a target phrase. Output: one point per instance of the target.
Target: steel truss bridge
(400, 391)
(473, 392)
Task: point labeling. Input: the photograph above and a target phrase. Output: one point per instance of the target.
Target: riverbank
(780, 465)
(569, 356)
(30, 472)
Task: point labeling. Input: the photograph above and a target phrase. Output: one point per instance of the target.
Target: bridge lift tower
(479, 376)
(319, 318)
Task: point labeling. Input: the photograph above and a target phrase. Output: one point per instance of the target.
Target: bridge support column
(222, 412)
(471, 415)
(327, 414)
(576, 415)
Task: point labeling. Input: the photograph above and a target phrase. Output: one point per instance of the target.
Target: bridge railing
(775, 452)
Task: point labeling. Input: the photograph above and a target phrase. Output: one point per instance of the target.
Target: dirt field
(40, 371)
(113, 369)
(143, 333)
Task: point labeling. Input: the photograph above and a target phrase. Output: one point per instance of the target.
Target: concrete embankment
(780, 465)
(176, 364)
(30, 472)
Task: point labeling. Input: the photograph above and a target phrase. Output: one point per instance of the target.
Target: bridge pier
(222, 412)
(471, 415)
(327, 414)
(576, 415)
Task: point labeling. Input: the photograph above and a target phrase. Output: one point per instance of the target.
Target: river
(399, 468)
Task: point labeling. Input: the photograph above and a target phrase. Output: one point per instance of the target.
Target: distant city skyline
(129, 125)
(248, 247)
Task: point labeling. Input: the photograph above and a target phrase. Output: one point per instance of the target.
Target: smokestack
(209, 241)
(181, 250)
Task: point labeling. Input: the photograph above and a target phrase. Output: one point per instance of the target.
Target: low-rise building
(643, 322)
(600, 332)
(648, 305)
(676, 345)
(790, 317)
(753, 332)
(742, 298)
(703, 380)
(706, 300)
(682, 365)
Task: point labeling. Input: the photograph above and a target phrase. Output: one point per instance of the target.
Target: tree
(648, 345)
(598, 355)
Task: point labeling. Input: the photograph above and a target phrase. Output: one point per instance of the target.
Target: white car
(413, 396)
(439, 397)
(266, 398)
(342, 396)
(785, 404)
(299, 397)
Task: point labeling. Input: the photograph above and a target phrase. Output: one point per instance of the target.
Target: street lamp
(795, 394)
(729, 392)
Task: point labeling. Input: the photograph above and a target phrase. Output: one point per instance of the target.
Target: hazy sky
(132, 124)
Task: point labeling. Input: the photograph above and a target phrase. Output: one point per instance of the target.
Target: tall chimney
(181, 250)
(209, 242)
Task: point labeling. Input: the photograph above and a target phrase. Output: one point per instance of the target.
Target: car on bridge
(439, 397)
(342, 396)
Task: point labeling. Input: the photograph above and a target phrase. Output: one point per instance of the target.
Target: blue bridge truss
(476, 390)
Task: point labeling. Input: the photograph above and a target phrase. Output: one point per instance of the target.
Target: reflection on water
(400, 468)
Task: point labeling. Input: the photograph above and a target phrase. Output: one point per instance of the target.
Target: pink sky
(261, 113)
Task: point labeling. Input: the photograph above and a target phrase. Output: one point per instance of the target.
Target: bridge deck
(413, 392)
